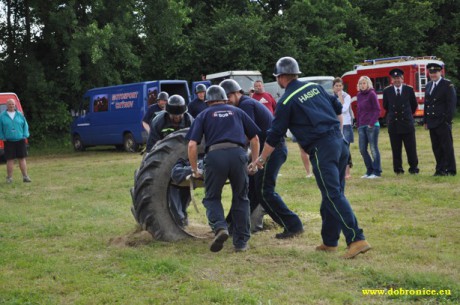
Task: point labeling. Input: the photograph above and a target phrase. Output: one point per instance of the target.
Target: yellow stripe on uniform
(329, 198)
(297, 91)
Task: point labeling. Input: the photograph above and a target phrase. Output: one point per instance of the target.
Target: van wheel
(77, 143)
(129, 144)
(150, 192)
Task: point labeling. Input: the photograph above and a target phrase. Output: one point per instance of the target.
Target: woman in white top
(345, 100)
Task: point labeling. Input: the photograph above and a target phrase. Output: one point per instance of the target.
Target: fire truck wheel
(129, 143)
(150, 192)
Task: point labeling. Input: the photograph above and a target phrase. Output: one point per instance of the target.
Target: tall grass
(69, 238)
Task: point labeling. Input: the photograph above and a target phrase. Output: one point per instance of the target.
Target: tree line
(52, 51)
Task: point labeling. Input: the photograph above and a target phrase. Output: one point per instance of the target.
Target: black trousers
(397, 140)
(442, 144)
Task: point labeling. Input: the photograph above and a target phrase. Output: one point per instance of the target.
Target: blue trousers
(370, 137)
(220, 165)
(271, 201)
(329, 157)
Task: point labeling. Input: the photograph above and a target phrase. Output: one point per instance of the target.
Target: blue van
(113, 115)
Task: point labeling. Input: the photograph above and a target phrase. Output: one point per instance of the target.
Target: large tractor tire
(151, 182)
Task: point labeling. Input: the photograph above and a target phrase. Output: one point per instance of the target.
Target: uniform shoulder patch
(410, 86)
(388, 87)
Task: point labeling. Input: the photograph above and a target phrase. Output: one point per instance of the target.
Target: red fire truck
(415, 75)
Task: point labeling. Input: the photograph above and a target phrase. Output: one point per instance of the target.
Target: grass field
(69, 238)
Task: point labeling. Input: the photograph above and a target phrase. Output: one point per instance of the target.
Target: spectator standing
(314, 117)
(14, 131)
(369, 127)
(265, 180)
(263, 97)
(154, 109)
(198, 104)
(225, 129)
(440, 101)
(347, 128)
(400, 103)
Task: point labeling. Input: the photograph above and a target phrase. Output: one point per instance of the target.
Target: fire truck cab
(415, 75)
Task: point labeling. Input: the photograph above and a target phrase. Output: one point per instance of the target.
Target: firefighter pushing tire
(150, 192)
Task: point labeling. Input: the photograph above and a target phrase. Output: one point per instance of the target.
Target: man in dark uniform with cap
(265, 180)
(400, 103)
(225, 129)
(314, 118)
(440, 102)
(198, 104)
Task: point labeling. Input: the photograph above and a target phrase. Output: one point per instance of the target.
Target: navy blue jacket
(196, 106)
(259, 114)
(308, 111)
(222, 123)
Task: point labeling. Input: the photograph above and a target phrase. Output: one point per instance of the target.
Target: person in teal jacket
(14, 131)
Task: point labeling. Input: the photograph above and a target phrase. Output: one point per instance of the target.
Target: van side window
(84, 106)
(101, 104)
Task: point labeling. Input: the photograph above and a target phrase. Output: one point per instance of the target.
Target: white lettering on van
(125, 96)
(123, 105)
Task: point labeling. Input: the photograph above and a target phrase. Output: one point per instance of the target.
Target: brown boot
(355, 248)
(325, 248)
(219, 239)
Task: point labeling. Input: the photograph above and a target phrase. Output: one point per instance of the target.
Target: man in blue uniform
(400, 103)
(264, 181)
(314, 118)
(198, 104)
(440, 101)
(225, 129)
(154, 109)
(174, 118)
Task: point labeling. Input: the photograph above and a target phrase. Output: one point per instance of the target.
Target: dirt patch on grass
(133, 239)
(141, 237)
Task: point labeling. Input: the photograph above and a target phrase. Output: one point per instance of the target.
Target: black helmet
(176, 105)
(230, 86)
(200, 88)
(163, 96)
(286, 65)
(215, 93)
